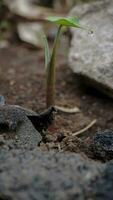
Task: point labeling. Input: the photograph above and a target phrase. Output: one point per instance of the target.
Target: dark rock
(42, 121)
(24, 126)
(101, 146)
(18, 129)
(27, 135)
(12, 115)
(91, 56)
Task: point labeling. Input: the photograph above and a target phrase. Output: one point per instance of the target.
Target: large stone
(16, 127)
(35, 175)
(21, 127)
(91, 56)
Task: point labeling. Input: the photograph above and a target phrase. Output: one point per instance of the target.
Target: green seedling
(51, 59)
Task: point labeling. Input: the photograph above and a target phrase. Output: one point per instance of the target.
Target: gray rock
(19, 130)
(31, 175)
(36, 175)
(27, 135)
(91, 56)
(24, 126)
(12, 115)
(103, 187)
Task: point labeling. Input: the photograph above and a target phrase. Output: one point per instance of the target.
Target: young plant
(51, 59)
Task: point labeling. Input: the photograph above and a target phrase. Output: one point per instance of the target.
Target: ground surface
(22, 82)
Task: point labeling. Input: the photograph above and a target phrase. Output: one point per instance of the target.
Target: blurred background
(21, 20)
(22, 69)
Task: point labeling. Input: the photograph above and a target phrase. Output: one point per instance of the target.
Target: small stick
(85, 129)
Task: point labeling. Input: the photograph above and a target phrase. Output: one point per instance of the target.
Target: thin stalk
(50, 92)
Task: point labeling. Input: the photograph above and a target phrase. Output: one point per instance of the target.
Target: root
(68, 110)
(85, 129)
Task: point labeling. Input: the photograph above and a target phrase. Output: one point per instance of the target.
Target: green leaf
(47, 52)
(65, 21)
(43, 38)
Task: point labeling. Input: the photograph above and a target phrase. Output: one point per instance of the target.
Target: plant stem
(50, 92)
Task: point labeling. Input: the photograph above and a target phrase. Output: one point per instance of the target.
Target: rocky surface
(21, 127)
(101, 146)
(91, 56)
(35, 175)
(17, 129)
(30, 175)
(103, 187)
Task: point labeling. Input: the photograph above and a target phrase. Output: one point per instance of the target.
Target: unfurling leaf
(65, 21)
(47, 52)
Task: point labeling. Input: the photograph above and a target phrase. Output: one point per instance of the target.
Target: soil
(22, 82)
